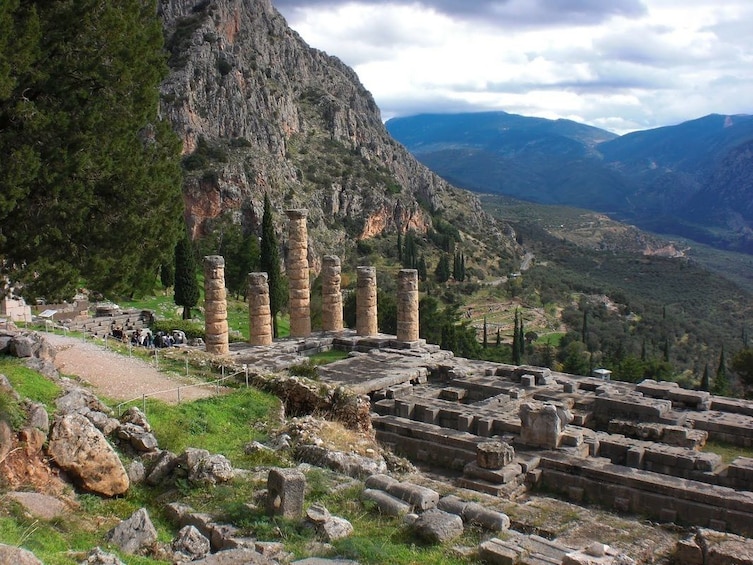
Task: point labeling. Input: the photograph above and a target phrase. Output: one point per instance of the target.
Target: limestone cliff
(260, 111)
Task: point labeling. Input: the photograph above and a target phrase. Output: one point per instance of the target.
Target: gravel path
(119, 377)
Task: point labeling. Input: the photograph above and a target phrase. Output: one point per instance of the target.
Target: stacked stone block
(298, 274)
(407, 305)
(366, 302)
(259, 311)
(332, 301)
(215, 305)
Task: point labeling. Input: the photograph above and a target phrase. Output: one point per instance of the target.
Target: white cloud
(621, 65)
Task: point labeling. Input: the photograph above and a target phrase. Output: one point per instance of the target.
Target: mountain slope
(692, 179)
(260, 111)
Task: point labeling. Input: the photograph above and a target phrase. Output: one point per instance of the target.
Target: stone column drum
(366, 301)
(407, 305)
(332, 299)
(259, 312)
(298, 274)
(215, 305)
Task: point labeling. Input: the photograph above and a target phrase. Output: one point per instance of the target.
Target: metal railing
(216, 384)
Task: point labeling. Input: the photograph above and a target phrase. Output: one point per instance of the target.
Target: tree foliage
(186, 285)
(90, 182)
(270, 263)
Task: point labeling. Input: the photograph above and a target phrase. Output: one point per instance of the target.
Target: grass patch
(727, 451)
(29, 383)
(222, 424)
(330, 356)
(552, 339)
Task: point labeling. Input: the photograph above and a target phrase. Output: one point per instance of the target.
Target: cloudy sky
(621, 65)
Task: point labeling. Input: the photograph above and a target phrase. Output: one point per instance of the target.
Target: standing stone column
(332, 299)
(259, 312)
(215, 305)
(298, 274)
(407, 305)
(366, 302)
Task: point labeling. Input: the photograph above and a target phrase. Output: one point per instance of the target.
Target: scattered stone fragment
(438, 526)
(134, 533)
(11, 555)
(98, 556)
(191, 543)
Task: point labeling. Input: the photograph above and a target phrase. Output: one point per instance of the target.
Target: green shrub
(189, 327)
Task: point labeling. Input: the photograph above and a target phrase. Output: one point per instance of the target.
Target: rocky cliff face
(260, 111)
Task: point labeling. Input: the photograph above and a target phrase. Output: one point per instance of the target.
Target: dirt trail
(119, 377)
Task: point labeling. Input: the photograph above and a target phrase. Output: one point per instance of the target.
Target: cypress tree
(521, 340)
(486, 343)
(516, 360)
(705, 379)
(186, 284)
(270, 263)
(399, 246)
(442, 272)
(721, 382)
(499, 338)
(90, 186)
(167, 275)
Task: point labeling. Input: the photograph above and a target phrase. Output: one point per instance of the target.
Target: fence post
(178, 395)
(143, 403)
(186, 366)
(245, 370)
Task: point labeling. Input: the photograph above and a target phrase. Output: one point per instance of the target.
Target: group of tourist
(144, 337)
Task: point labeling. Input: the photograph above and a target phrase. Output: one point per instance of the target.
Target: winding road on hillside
(119, 377)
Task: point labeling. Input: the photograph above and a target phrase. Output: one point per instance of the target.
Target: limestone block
(134, 533)
(494, 454)
(285, 492)
(542, 424)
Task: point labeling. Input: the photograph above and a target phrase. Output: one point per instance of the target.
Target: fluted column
(215, 305)
(298, 274)
(407, 305)
(259, 312)
(332, 300)
(366, 302)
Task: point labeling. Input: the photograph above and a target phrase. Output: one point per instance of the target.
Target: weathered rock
(438, 526)
(6, 388)
(81, 401)
(346, 463)
(494, 454)
(81, 450)
(98, 556)
(164, 464)
(136, 472)
(135, 533)
(40, 505)
(135, 416)
(137, 437)
(335, 528)
(239, 556)
(11, 555)
(38, 417)
(205, 468)
(191, 543)
(25, 345)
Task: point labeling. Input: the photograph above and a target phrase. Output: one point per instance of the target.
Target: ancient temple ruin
(215, 305)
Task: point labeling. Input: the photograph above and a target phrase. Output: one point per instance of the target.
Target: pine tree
(90, 186)
(186, 284)
(270, 263)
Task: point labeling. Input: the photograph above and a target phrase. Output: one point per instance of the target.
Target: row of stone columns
(297, 267)
(260, 317)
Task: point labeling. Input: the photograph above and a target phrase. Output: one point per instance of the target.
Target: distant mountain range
(694, 179)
